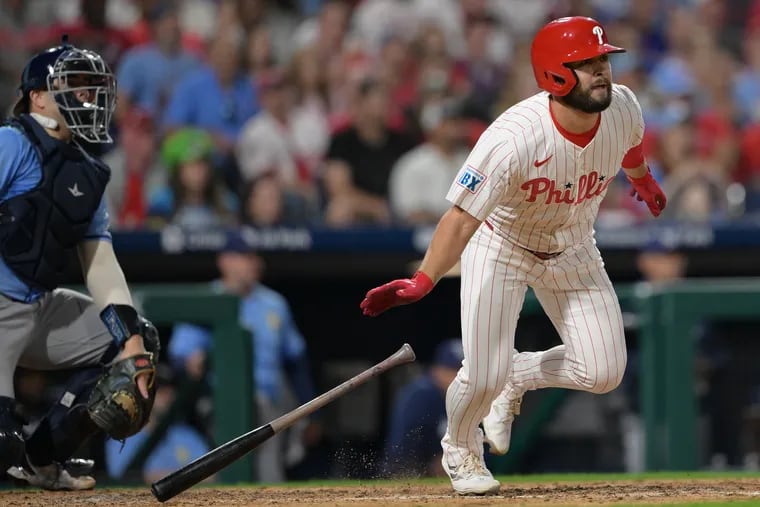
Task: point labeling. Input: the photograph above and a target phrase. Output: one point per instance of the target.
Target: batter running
(52, 208)
(524, 206)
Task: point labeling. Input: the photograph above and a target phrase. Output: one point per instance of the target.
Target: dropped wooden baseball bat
(216, 459)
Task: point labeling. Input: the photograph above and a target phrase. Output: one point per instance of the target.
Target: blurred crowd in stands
(354, 112)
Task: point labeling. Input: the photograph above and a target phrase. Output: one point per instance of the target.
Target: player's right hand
(134, 347)
(396, 293)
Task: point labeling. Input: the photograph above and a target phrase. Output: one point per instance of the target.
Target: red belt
(541, 255)
(544, 256)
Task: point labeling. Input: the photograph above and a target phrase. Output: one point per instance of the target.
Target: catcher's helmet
(563, 41)
(70, 73)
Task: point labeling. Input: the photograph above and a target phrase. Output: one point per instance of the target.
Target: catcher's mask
(85, 90)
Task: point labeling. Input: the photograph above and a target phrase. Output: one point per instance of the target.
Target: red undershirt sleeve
(634, 158)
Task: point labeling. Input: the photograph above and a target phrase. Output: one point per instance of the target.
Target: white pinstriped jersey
(538, 189)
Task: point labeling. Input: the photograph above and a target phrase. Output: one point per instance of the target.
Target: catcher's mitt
(116, 405)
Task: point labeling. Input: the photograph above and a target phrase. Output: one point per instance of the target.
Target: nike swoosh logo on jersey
(539, 164)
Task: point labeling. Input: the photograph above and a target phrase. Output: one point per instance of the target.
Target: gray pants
(59, 331)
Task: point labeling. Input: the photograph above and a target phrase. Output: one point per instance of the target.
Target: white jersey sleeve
(637, 119)
(480, 184)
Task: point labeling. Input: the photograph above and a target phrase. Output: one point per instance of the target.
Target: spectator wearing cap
(180, 444)
(194, 198)
(359, 161)
(418, 416)
(420, 179)
(280, 362)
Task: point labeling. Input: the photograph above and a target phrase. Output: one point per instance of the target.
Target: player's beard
(583, 100)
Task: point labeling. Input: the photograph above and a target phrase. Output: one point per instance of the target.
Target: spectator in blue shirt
(418, 417)
(218, 97)
(180, 445)
(279, 351)
(147, 73)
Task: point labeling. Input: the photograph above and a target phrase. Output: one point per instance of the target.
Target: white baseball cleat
(52, 477)
(471, 477)
(497, 425)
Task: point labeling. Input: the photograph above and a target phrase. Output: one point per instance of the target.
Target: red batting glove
(646, 189)
(396, 293)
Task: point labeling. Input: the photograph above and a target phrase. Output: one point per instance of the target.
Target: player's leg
(579, 298)
(69, 335)
(581, 302)
(492, 292)
(16, 323)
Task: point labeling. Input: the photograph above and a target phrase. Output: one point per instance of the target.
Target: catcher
(51, 206)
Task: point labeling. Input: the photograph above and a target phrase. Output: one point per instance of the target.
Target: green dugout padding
(230, 362)
(667, 315)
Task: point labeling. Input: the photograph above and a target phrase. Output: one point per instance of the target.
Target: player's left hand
(395, 293)
(646, 189)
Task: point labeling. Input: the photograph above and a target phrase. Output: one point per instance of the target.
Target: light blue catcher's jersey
(20, 172)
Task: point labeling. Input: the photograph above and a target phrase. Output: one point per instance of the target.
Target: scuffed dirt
(411, 494)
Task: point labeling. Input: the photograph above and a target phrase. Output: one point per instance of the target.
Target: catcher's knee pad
(11, 435)
(66, 425)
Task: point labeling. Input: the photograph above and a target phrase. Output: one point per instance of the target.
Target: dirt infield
(595, 493)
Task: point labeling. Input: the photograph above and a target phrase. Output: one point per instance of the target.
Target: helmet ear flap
(560, 83)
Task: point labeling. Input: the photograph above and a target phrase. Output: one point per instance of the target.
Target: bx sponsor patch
(471, 179)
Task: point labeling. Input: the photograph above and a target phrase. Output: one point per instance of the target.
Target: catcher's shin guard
(11, 436)
(67, 424)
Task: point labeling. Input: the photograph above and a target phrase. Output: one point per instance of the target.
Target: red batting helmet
(563, 41)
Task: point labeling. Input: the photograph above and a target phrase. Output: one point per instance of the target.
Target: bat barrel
(210, 463)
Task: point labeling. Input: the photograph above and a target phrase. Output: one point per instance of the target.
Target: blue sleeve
(13, 152)
(100, 223)
(185, 340)
(118, 458)
(129, 76)
(161, 202)
(180, 446)
(181, 107)
(293, 345)
(294, 354)
(299, 374)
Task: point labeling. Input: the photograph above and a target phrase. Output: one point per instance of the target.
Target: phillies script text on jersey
(588, 186)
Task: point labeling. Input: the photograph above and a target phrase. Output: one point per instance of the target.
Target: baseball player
(524, 206)
(51, 206)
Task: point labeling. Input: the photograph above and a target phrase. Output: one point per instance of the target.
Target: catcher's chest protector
(39, 228)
